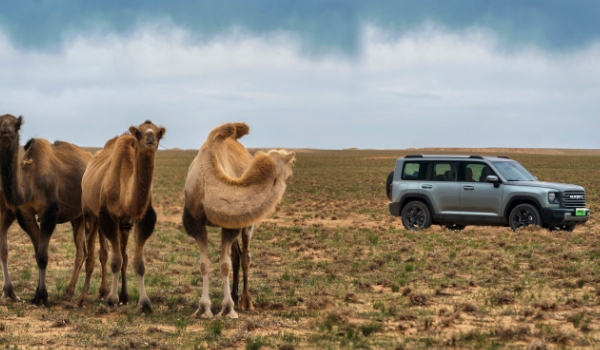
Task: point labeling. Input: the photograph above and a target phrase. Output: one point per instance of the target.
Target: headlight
(551, 197)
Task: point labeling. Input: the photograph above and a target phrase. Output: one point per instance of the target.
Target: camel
(117, 195)
(227, 187)
(44, 184)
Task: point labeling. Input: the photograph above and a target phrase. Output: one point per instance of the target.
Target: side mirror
(492, 179)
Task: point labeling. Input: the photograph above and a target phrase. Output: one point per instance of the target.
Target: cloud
(430, 86)
(320, 26)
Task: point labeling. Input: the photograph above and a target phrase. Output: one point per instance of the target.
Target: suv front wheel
(524, 215)
(416, 216)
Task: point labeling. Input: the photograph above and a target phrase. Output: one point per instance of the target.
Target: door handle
(468, 188)
(426, 186)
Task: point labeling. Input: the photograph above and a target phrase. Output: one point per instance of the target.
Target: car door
(481, 202)
(442, 187)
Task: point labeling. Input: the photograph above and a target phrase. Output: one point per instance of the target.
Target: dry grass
(332, 269)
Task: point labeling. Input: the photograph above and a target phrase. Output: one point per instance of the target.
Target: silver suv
(456, 191)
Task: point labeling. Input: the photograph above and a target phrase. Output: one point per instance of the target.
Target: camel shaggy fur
(117, 196)
(229, 188)
(46, 184)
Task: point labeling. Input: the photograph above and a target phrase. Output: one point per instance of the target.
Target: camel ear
(135, 132)
(161, 133)
(289, 157)
(19, 122)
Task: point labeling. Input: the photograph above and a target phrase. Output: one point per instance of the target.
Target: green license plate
(580, 212)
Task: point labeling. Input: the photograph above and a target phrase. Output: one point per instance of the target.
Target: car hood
(552, 185)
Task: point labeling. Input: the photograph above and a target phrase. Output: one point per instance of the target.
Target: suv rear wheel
(416, 216)
(524, 215)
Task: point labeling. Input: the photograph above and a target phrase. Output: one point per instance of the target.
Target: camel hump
(58, 143)
(29, 144)
(233, 130)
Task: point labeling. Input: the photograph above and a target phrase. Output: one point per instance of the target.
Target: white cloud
(430, 87)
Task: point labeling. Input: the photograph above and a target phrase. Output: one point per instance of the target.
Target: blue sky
(315, 74)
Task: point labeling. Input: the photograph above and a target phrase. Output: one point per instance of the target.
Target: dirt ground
(332, 269)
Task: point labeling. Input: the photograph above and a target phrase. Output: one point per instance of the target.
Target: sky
(306, 74)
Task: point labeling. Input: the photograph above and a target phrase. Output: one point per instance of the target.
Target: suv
(456, 191)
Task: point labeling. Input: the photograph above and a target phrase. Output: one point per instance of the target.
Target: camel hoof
(112, 300)
(40, 298)
(103, 293)
(9, 292)
(247, 304)
(124, 298)
(81, 301)
(228, 312)
(145, 306)
(203, 311)
(67, 296)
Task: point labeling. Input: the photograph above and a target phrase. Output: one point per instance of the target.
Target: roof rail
(476, 157)
(505, 157)
(414, 156)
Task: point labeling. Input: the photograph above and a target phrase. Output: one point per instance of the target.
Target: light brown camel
(46, 184)
(228, 188)
(117, 194)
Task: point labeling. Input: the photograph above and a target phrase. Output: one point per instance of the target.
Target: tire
(455, 227)
(416, 216)
(566, 228)
(388, 184)
(524, 215)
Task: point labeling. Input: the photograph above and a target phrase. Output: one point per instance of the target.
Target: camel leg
(91, 231)
(227, 238)
(110, 229)
(236, 255)
(7, 217)
(143, 231)
(29, 224)
(47, 225)
(80, 254)
(246, 257)
(124, 296)
(197, 230)
(103, 252)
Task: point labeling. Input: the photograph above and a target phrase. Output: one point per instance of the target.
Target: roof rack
(476, 157)
(505, 157)
(414, 156)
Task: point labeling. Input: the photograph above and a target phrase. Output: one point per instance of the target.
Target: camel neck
(142, 184)
(10, 173)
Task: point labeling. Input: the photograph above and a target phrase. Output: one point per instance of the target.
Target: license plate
(580, 212)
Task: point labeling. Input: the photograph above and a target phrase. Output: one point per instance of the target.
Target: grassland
(332, 269)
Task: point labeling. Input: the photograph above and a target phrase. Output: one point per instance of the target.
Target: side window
(443, 171)
(411, 171)
(477, 172)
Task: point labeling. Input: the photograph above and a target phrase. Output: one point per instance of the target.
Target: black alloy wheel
(416, 216)
(524, 215)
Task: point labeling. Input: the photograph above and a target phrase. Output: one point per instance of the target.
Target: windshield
(513, 171)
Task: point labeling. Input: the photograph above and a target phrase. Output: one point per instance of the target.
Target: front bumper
(563, 216)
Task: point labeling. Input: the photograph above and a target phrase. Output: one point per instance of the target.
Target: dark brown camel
(46, 184)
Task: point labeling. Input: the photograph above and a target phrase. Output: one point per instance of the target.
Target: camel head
(284, 161)
(148, 136)
(9, 128)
